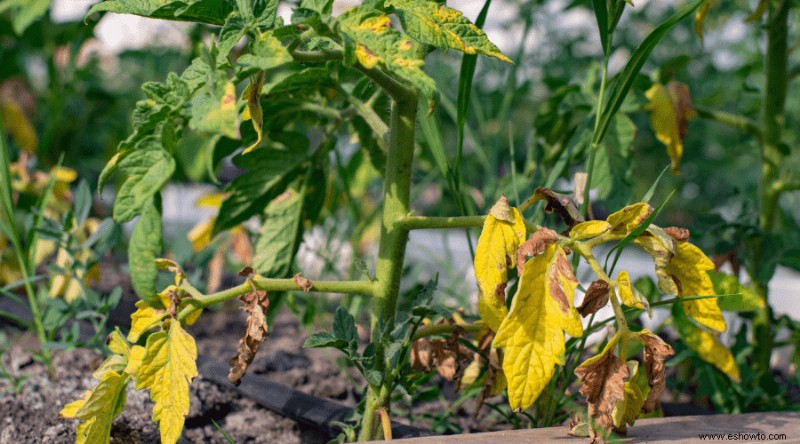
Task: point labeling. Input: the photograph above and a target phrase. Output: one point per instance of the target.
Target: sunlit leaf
(706, 345)
(670, 109)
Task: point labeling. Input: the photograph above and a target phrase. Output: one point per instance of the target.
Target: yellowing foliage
(670, 109)
(590, 228)
(627, 219)
(708, 347)
(689, 269)
(167, 369)
(503, 232)
(625, 291)
(98, 408)
(532, 335)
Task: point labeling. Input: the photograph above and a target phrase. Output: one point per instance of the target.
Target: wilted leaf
(707, 346)
(256, 305)
(437, 25)
(167, 369)
(532, 335)
(655, 352)
(596, 298)
(253, 112)
(670, 110)
(561, 204)
(636, 390)
(689, 270)
(628, 293)
(503, 232)
(679, 234)
(603, 384)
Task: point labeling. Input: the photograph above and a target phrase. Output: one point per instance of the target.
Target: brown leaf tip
(535, 245)
(247, 272)
(603, 385)
(679, 234)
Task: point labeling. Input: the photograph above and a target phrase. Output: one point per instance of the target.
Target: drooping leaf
(532, 335)
(670, 109)
(561, 204)
(688, 269)
(627, 219)
(253, 112)
(212, 12)
(503, 232)
(596, 297)
(431, 23)
(706, 345)
(603, 384)
(167, 369)
(628, 294)
(144, 248)
(656, 351)
(636, 391)
(146, 170)
(370, 40)
(256, 305)
(98, 409)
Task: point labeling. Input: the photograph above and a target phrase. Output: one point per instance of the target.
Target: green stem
(741, 123)
(444, 329)
(425, 223)
(392, 248)
(585, 206)
(772, 122)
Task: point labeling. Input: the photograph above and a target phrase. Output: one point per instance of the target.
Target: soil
(31, 414)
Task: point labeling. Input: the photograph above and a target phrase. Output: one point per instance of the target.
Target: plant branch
(741, 123)
(443, 329)
(424, 223)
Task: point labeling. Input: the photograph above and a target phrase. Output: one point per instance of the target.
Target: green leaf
(147, 170)
(374, 377)
(631, 70)
(344, 327)
(601, 14)
(370, 40)
(324, 7)
(279, 237)
(324, 340)
(24, 12)
(231, 33)
(266, 52)
(215, 111)
(212, 12)
(143, 249)
(433, 24)
(269, 172)
(265, 14)
(739, 297)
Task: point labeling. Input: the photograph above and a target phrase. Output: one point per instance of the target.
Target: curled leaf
(603, 384)
(628, 293)
(256, 305)
(679, 234)
(596, 298)
(627, 219)
(655, 352)
(561, 204)
(253, 112)
(590, 228)
(535, 245)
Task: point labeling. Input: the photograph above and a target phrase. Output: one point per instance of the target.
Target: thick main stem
(392, 248)
(772, 120)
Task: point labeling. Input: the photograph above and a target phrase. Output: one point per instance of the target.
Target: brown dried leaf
(682, 102)
(596, 298)
(560, 204)
(421, 355)
(655, 352)
(174, 303)
(534, 246)
(449, 356)
(560, 281)
(679, 234)
(603, 385)
(247, 272)
(256, 304)
(303, 283)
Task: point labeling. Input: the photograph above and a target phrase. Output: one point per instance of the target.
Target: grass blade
(601, 14)
(649, 194)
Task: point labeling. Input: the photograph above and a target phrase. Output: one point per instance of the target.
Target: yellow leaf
(670, 109)
(113, 363)
(200, 234)
(532, 335)
(708, 347)
(135, 360)
(18, 126)
(700, 18)
(144, 318)
(636, 390)
(503, 232)
(254, 112)
(167, 369)
(627, 219)
(590, 228)
(213, 200)
(98, 408)
(625, 291)
(688, 268)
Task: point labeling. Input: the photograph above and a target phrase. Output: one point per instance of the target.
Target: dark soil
(31, 414)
